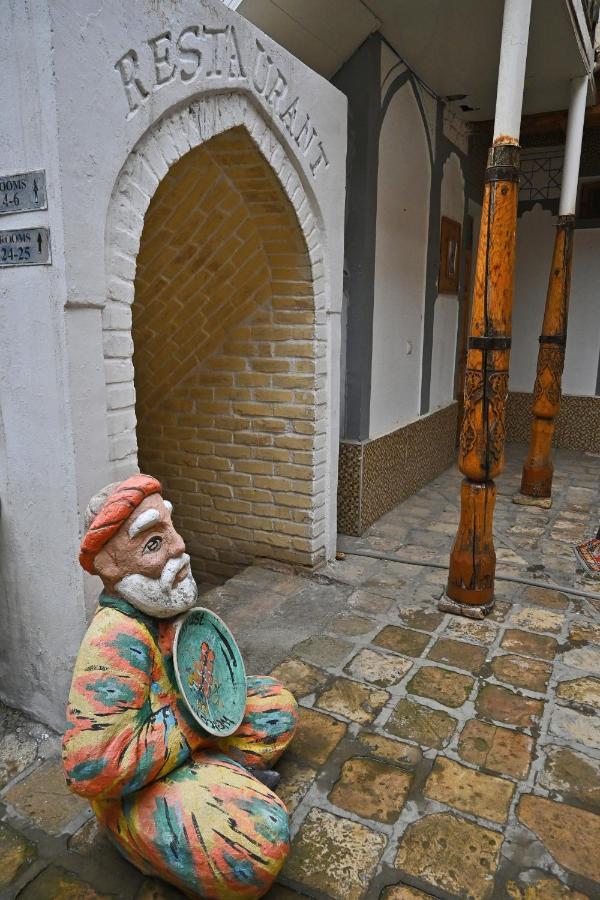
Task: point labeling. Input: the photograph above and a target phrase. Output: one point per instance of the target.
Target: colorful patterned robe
(179, 803)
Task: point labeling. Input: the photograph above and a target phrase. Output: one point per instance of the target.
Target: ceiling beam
(544, 123)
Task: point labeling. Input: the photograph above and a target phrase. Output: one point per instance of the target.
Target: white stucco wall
(400, 260)
(583, 339)
(71, 71)
(535, 238)
(445, 320)
(41, 584)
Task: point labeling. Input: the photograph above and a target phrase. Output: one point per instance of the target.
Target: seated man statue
(180, 804)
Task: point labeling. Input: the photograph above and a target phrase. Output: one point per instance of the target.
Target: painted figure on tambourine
(180, 803)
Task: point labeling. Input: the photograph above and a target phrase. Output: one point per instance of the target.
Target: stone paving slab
(520, 672)
(458, 654)
(334, 855)
(371, 789)
(57, 882)
(468, 790)
(436, 756)
(495, 749)
(16, 853)
(456, 856)
(44, 799)
(23, 744)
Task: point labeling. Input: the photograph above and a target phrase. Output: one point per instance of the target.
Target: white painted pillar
(568, 193)
(511, 71)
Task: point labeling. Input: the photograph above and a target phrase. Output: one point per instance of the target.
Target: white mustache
(161, 597)
(171, 570)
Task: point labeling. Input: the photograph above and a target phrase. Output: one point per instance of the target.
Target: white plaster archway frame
(168, 140)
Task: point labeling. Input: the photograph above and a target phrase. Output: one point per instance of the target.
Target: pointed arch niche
(214, 341)
(400, 263)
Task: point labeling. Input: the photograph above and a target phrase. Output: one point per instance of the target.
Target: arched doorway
(228, 354)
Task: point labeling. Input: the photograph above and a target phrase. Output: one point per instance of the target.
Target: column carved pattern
(538, 469)
(470, 587)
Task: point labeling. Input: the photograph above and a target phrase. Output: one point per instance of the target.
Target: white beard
(160, 597)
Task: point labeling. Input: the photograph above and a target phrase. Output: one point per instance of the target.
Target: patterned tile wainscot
(375, 475)
(577, 424)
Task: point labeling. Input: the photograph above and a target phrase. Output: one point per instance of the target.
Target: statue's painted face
(146, 563)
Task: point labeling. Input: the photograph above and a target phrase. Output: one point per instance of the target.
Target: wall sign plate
(22, 193)
(25, 247)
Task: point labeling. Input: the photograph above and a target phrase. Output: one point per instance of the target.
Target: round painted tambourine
(210, 671)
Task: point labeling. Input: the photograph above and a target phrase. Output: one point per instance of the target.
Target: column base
(524, 500)
(445, 604)
(473, 559)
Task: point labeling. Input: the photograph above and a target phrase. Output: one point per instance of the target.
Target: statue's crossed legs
(209, 827)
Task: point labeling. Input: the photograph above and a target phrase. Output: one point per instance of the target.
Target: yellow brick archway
(229, 288)
(224, 331)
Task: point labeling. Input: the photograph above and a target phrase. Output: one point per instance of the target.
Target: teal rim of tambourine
(210, 671)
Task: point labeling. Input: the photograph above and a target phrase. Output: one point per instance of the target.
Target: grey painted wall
(359, 79)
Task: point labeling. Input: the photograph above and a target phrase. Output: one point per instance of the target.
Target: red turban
(126, 497)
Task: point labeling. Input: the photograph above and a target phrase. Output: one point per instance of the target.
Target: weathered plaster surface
(72, 66)
(41, 597)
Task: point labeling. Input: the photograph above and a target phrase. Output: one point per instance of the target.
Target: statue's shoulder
(116, 616)
(113, 635)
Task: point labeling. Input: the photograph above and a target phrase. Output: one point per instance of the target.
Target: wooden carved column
(536, 482)
(470, 588)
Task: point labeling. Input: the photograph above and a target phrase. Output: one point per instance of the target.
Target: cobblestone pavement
(437, 756)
